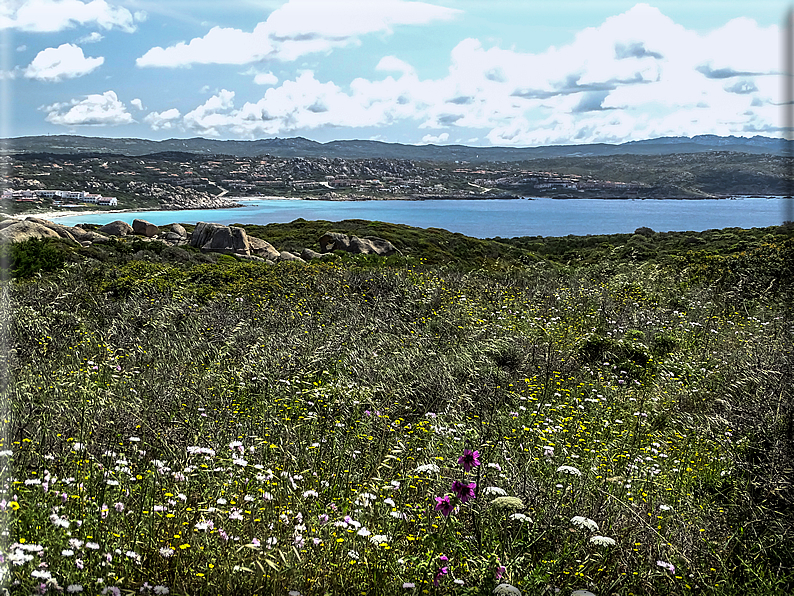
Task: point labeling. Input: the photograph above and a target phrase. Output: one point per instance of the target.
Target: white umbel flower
(585, 523)
(602, 541)
(569, 470)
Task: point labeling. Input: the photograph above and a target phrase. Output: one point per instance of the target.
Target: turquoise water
(489, 218)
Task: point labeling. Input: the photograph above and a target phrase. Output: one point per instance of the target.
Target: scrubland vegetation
(610, 414)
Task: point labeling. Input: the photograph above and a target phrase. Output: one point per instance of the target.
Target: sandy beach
(56, 214)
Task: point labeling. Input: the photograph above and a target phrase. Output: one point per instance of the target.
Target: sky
(496, 73)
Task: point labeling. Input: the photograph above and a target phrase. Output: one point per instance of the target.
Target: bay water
(506, 218)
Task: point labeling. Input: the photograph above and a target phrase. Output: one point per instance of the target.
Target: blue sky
(502, 72)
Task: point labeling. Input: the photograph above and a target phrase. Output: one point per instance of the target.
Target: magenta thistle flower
(469, 459)
(444, 505)
(439, 574)
(465, 492)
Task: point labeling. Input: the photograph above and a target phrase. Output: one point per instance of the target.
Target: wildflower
(469, 459)
(500, 571)
(166, 552)
(74, 588)
(569, 470)
(495, 466)
(235, 514)
(67, 552)
(431, 468)
(494, 490)
(364, 532)
(664, 508)
(465, 492)
(584, 523)
(255, 542)
(409, 585)
(507, 503)
(353, 554)
(379, 539)
(79, 563)
(271, 542)
(77, 447)
(442, 571)
(161, 590)
(548, 451)
(92, 545)
(520, 517)
(602, 541)
(134, 439)
(119, 507)
(323, 518)
(113, 590)
(444, 505)
(460, 582)
(310, 493)
(668, 566)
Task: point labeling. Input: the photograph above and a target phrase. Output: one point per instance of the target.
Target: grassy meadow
(610, 414)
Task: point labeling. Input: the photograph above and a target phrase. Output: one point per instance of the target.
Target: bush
(24, 259)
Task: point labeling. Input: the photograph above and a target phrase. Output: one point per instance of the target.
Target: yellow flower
(14, 505)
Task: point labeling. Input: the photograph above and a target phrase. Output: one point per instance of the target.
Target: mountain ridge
(360, 149)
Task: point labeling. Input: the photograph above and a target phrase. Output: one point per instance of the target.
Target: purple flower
(668, 566)
(444, 505)
(500, 571)
(464, 492)
(439, 574)
(469, 459)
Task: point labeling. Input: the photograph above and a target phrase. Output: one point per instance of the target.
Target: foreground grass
(243, 429)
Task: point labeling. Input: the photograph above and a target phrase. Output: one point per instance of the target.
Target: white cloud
(22, 48)
(137, 103)
(392, 63)
(56, 15)
(209, 117)
(67, 61)
(434, 140)
(297, 28)
(92, 110)
(262, 78)
(637, 75)
(163, 120)
(92, 37)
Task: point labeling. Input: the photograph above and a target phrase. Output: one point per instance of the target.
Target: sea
(505, 218)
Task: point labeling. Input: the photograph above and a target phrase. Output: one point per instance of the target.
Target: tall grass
(247, 429)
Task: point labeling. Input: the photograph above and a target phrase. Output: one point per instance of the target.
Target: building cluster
(59, 197)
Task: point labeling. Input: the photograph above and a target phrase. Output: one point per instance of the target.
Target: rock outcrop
(144, 228)
(62, 231)
(212, 237)
(307, 254)
(288, 256)
(262, 248)
(20, 231)
(117, 228)
(369, 245)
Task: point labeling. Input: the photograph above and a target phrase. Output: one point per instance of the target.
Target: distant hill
(301, 147)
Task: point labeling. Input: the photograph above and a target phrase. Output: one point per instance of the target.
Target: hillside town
(177, 180)
(59, 197)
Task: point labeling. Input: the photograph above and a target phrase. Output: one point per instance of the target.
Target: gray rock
(369, 245)
(82, 235)
(62, 231)
(7, 222)
(288, 256)
(211, 237)
(307, 254)
(174, 238)
(331, 241)
(262, 248)
(144, 228)
(25, 230)
(178, 229)
(116, 228)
